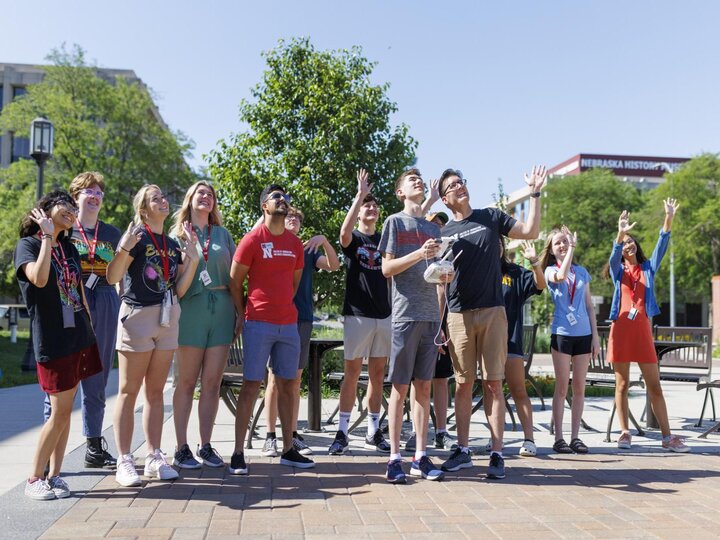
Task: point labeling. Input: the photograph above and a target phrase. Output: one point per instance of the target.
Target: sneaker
(157, 466)
(675, 444)
(377, 442)
(210, 456)
(339, 445)
(301, 447)
(269, 448)
(528, 449)
(445, 440)
(457, 460)
(424, 467)
(59, 487)
(126, 475)
(496, 469)
(395, 474)
(39, 490)
(184, 458)
(411, 443)
(625, 441)
(293, 458)
(237, 464)
(97, 456)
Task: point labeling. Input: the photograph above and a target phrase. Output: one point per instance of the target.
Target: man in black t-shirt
(477, 324)
(366, 313)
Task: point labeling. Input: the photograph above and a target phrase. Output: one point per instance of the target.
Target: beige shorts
(139, 329)
(366, 337)
(478, 339)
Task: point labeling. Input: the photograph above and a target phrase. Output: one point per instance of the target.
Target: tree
(315, 118)
(108, 126)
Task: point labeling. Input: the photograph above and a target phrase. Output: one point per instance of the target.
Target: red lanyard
(571, 291)
(65, 267)
(206, 244)
(630, 272)
(163, 254)
(91, 247)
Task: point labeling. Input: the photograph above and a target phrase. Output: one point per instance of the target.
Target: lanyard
(163, 254)
(91, 247)
(629, 270)
(63, 263)
(571, 291)
(206, 244)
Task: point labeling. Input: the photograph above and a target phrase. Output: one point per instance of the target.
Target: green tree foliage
(314, 119)
(110, 126)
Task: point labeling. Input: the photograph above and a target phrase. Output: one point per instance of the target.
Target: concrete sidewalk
(608, 493)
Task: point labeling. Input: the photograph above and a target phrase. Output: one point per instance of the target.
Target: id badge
(68, 314)
(92, 281)
(205, 277)
(632, 313)
(165, 309)
(571, 319)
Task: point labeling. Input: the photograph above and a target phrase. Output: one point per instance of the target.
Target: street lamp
(41, 147)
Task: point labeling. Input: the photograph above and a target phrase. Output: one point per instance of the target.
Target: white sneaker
(39, 490)
(269, 448)
(59, 487)
(528, 449)
(126, 475)
(157, 466)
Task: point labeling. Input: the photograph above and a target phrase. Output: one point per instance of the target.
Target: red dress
(631, 340)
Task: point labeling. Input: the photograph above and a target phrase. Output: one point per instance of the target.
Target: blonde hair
(140, 202)
(184, 213)
(85, 180)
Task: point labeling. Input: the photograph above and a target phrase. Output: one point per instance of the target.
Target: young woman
(631, 337)
(574, 335)
(155, 275)
(519, 284)
(48, 269)
(207, 324)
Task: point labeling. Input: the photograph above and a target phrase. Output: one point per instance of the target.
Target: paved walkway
(645, 492)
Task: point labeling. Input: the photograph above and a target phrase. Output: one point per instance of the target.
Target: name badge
(92, 281)
(571, 319)
(165, 309)
(205, 277)
(632, 313)
(68, 315)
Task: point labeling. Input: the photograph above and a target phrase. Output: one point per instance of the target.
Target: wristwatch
(536, 194)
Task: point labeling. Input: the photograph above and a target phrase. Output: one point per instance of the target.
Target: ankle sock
(344, 423)
(372, 424)
(270, 435)
(393, 457)
(495, 452)
(419, 454)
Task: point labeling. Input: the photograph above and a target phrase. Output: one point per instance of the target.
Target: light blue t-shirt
(579, 279)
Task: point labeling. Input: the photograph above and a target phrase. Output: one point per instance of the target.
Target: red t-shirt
(272, 261)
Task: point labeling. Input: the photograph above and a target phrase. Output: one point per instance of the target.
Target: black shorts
(443, 367)
(572, 345)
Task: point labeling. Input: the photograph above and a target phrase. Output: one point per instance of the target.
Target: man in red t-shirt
(271, 259)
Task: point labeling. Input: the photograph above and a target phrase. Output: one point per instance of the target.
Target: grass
(11, 355)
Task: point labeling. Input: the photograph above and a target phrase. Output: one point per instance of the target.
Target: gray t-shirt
(413, 298)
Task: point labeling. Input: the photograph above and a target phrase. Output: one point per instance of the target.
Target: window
(20, 148)
(19, 91)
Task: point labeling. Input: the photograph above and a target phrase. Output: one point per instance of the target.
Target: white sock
(373, 424)
(344, 422)
(465, 449)
(394, 457)
(419, 454)
(495, 452)
(441, 431)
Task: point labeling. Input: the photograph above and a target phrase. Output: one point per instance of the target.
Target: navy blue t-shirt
(518, 284)
(304, 295)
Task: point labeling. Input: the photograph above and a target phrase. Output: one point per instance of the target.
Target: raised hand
(536, 179)
(189, 247)
(363, 188)
(624, 225)
(572, 237)
(131, 237)
(434, 190)
(529, 252)
(671, 206)
(45, 223)
(314, 243)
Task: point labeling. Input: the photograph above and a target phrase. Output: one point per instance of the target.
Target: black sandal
(561, 447)
(578, 446)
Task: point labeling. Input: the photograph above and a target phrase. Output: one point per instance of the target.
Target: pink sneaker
(625, 441)
(675, 444)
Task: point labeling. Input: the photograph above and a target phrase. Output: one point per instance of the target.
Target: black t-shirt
(366, 289)
(107, 241)
(476, 284)
(518, 284)
(144, 281)
(45, 304)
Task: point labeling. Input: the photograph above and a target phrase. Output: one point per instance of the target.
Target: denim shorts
(273, 346)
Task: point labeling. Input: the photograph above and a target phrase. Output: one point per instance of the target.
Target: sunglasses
(68, 209)
(277, 196)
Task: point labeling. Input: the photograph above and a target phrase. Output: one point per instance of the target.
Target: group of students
(184, 293)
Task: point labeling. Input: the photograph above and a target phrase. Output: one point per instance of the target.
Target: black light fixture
(42, 135)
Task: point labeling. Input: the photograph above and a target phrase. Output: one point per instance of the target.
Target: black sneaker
(237, 464)
(339, 445)
(184, 458)
(496, 469)
(293, 458)
(377, 442)
(97, 456)
(446, 441)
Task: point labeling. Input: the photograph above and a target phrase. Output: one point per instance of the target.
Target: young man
(314, 261)
(477, 324)
(367, 316)
(409, 244)
(271, 258)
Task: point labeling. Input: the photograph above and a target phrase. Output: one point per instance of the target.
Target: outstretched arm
(329, 261)
(671, 207)
(432, 198)
(538, 275)
(530, 229)
(351, 218)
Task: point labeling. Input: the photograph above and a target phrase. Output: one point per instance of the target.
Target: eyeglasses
(97, 193)
(276, 196)
(455, 185)
(293, 216)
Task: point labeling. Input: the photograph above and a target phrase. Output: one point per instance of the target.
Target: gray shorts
(273, 346)
(414, 353)
(366, 338)
(305, 331)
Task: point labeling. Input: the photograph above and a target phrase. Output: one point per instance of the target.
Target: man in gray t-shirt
(409, 243)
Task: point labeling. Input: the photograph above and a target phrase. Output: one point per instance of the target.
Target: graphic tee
(145, 284)
(413, 298)
(574, 286)
(304, 295)
(272, 261)
(478, 268)
(518, 284)
(366, 289)
(45, 304)
(107, 242)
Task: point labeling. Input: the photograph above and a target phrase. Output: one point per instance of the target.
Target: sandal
(561, 447)
(578, 446)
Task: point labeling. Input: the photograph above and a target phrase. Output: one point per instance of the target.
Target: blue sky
(487, 87)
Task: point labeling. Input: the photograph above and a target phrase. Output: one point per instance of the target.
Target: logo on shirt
(267, 249)
(369, 258)
(507, 280)
(474, 230)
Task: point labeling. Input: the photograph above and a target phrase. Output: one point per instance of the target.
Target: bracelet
(536, 263)
(536, 194)
(49, 236)
(125, 250)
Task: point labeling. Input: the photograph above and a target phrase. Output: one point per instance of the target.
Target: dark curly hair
(28, 227)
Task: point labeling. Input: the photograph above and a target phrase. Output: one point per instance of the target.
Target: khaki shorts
(366, 337)
(139, 329)
(478, 338)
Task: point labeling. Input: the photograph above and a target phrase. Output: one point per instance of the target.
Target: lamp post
(41, 147)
